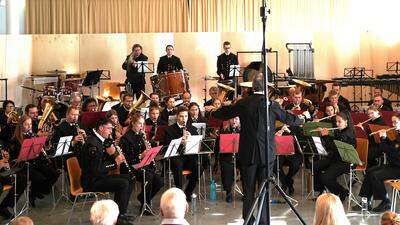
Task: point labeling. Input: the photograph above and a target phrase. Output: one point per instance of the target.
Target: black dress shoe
(291, 190)
(4, 212)
(382, 207)
(228, 198)
(124, 220)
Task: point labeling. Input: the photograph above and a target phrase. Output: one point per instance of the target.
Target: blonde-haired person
(173, 207)
(22, 220)
(390, 218)
(104, 212)
(329, 211)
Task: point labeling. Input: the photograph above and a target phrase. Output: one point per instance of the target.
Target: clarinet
(147, 144)
(79, 132)
(29, 134)
(110, 142)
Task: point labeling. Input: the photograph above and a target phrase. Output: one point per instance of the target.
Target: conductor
(252, 149)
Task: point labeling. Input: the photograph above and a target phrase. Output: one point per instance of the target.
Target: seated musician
(8, 201)
(94, 160)
(214, 94)
(332, 166)
(75, 100)
(386, 105)
(297, 102)
(121, 97)
(32, 111)
(226, 159)
(345, 105)
(373, 148)
(380, 103)
(333, 99)
(7, 126)
(89, 105)
(186, 96)
(195, 114)
(41, 172)
(134, 145)
(329, 114)
(169, 109)
(216, 104)
(169, 62)
(373, 184)
(124, 109)
(182, 129)
(225, 60)
(70, 126)
(154, 121)
(112, 115)
(154, 97)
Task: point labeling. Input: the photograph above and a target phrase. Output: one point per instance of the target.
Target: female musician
(7, 123)
(330, 167)
(216, 104)
(154, 121)
(133, 144)
(89, 105)
(374, 117)
(329, 114)
(194, 114)
(117, 127)
(373, 185)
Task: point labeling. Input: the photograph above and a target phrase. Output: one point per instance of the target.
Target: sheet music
(108, 105)
(173, 148)
(201, 128)
(193, 144)
(234, 70)
(144, 112)
(63, 146)
(318, 144)
(171, 120)
(143, 66)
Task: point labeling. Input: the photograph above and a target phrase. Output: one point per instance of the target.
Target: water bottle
(274, 201)
(213, 191)
(364, 206)
(194, 203)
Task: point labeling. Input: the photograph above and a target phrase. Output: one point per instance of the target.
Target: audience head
(173, 204)
(22, 220)
(104, 212)
(390, 218)
(329, 211)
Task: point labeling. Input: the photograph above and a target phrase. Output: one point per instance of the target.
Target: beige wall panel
(50, 52)
(153, 45)
(2, 54)
(19, 66)
(198, 53)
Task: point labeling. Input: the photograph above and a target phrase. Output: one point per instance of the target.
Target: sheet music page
(193, 144)
(173, 148)
(63, 145)
(318, 144)
(234, 70)
(201, 128)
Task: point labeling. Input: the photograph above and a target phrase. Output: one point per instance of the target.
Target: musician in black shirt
(135, 79)
(169, 109)
(7, 127)
(154, 121)
(124, 109)
(195, 115)
(225, 60)
(169, 62)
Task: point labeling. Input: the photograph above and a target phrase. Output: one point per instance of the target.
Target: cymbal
(287, 86)
(56, 71)
(225, 87)
(248, 84)
(301, 83)
(31, 89)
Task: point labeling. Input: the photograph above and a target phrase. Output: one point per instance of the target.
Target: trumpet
(318, 129)
(386, 130)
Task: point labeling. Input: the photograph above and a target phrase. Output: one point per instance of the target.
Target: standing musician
(93, 160)
(169, 109)
(332, 166)
(373, 185)
(182, 129)
(154, 121)
(89, 105)
(134, 145)
(7, 123)
(124, 109)
(373, 148)
(135, 79)
(225, 60)
(169, 62)
(213, 92)
(70, 126)
(112, 115)
(194, 114)
(252, 153)
(41, 172)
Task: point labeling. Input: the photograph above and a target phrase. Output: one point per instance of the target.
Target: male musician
(380, 103)
(225, 60)
(333, 99)
(182, 129)
(169, 109)
(124, 109)
(387, 104)
(297, 102)
(154, 121)
(75, 101)
(341, 100)
(134, 78)
(185, 99)
(93, 163)
(169, 62)
(7, 127)
(32, 111)
(121, 97)
(251, 111)
(213, 92)
(89, 105)
(70, 127)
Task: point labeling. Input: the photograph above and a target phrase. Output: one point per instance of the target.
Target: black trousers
(136, 87)
(227, 170)
(21, 183)
(43, 177)
(373, 155)
(251, 175)
(187, 162)
(373, 184)
(326, 172)
(294, 162)
(120, 184)
(153, 180)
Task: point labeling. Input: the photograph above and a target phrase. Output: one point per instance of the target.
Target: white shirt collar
(180, 126)
(174, 221)
(259, 92)
(99, 136)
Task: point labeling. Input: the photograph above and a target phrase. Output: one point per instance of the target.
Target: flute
(318, 129)
(365, 121)
(389, 129)
(326, 117)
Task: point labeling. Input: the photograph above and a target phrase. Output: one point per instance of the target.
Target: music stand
(62, 149)
(143, 67)
(30, 149)
(234, 73)
(172, 152)
(229, 144)
(147, 159)
(89, 119)
(92, 78)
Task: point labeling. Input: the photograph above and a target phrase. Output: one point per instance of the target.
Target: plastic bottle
(213, 191)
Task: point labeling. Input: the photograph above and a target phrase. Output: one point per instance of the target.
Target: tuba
(14, 117)
(142, 99)
(223, 91)
(49, 119)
